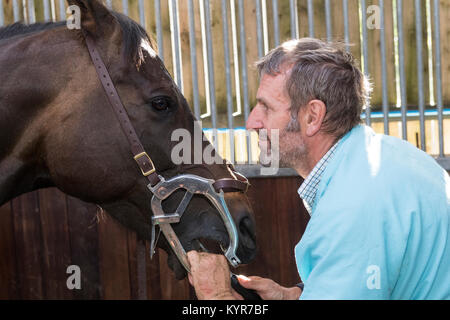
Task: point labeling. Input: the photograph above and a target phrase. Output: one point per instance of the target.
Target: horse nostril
(247, 232)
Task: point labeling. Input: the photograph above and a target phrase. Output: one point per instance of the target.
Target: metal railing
(262, 24)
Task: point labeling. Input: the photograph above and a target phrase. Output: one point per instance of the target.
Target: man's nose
(254, 121)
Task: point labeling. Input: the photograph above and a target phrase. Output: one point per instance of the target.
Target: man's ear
(95, 17)
(313, 117)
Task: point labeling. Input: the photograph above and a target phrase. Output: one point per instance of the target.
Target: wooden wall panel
(44, 232)
(29, 249)
(280, 222)
(55, 243)
(8, 273)
(83, 232)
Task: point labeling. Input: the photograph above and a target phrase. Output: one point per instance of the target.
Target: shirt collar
(308, 189)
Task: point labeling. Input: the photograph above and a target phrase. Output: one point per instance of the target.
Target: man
(380, 208)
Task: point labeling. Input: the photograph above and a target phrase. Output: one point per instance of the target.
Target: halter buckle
(143, 164)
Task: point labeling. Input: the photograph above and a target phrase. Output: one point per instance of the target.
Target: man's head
(312, 92)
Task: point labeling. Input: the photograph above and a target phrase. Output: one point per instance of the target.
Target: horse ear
(93, 15)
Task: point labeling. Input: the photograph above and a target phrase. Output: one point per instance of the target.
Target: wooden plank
(113, 259)
(171, 288)
(153, 275)
(133, 264)
(8, 274)
(56, 243)
(280, 222)
(289, 204)
(29, 251)
(83, 232)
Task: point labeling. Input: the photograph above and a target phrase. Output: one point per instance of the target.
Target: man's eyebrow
(262, 101)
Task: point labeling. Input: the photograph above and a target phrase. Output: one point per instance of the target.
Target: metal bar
(265, 27)
(437, 64)
(16, 11)
(237, 78)
(193, 51)
(53, 10)
(125, 7)
(276, 23)
(228, 78)
(401, 54)
(311, 18)
(205, 62)
(31, 12)
(184, 203)
(159, 29)
(24, 10)
(62, 10)
(176, 48)
(142, 13)
(244, 72)
(384, 69)
(328, 20)
(2, 17)
(210, 58)
(46, 10)
(346, 25)
(429, 42)
(259, 35)
(365, 51)
(419, 45)
(293, 6)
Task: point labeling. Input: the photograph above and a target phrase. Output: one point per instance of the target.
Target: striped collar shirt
(308, 189)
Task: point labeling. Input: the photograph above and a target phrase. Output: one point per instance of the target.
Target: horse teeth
(202, 247)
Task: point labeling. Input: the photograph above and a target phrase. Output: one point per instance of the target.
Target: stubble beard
(292, 150)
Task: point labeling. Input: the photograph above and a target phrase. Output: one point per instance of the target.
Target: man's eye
(160, 104)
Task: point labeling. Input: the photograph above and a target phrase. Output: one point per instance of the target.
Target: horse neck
(25, 90)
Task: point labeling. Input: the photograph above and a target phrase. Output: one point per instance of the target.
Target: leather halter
(238, 183)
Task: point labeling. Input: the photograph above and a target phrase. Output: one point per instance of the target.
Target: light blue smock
(380, 226)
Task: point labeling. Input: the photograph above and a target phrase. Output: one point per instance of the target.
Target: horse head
(69, 136)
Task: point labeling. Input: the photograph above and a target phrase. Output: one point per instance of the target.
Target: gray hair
(323, 71)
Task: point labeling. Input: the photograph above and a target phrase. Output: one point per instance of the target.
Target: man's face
(273, 112)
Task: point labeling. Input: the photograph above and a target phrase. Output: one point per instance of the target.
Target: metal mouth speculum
(193, 185)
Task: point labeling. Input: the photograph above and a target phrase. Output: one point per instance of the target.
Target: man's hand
(269, 289)
(210, 276)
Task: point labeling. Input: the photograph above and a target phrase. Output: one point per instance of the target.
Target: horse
(59, 130)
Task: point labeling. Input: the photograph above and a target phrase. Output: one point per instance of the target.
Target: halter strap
(141, 157)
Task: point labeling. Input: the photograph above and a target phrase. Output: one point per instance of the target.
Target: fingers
(193, 257)
(210, 275)
(253, 282)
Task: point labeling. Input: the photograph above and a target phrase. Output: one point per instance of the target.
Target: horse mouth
(209, 245)
(201, 244)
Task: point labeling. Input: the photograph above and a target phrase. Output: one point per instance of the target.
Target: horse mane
(133, 34)
(19, 28)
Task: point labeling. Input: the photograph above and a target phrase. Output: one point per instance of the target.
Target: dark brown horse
(58, 128)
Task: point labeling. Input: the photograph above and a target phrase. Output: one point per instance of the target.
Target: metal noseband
(193, 185)
(213, 190)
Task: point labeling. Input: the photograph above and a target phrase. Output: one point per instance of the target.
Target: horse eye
(160, 104)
